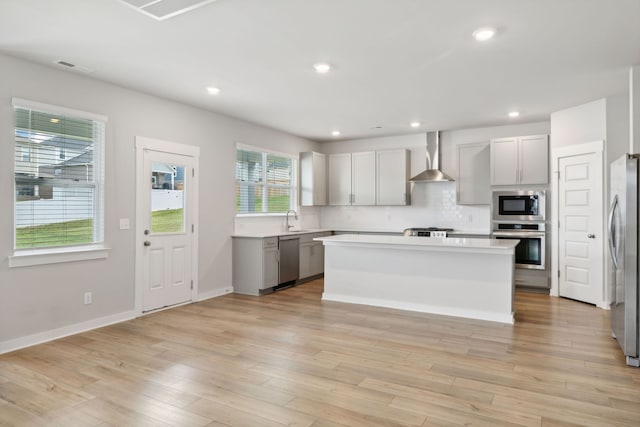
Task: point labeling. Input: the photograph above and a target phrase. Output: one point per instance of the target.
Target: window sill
(26, 258)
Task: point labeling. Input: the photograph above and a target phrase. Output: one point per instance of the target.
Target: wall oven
(530, 252)
(520, 205)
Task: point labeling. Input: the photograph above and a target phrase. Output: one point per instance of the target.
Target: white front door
(165, 226)
(580, 239)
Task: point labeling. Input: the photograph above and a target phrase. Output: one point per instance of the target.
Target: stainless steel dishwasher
(289, 258)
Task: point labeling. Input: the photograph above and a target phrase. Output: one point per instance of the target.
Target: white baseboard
(214, 293)
(65, 331)
(422, 308)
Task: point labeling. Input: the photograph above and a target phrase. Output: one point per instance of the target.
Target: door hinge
(191, 284)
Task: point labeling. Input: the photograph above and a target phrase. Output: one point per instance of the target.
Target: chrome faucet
(295, 215)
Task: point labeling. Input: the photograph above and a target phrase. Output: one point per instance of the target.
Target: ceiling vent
(165, 9)
(73, 67)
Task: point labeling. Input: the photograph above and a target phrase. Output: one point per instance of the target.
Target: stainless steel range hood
(433, 172)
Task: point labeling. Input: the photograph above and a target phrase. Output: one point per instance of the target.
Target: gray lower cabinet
(311, 255)
(255, 264)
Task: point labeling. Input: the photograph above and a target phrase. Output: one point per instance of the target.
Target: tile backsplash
(432, 205)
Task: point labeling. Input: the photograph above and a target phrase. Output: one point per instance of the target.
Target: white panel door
(363, 178)
(340, 179)
(580, 237)
(167, 228)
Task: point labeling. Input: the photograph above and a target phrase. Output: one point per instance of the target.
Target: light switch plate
(124, 223)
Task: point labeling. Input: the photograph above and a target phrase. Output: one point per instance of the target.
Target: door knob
(147, 243)
(591, 236)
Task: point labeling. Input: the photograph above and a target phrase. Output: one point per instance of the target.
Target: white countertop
(262, 235)
(280, 233)
(423, 243)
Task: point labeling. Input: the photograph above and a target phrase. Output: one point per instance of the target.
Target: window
(26, 154)
(58, 186)
(265, 182)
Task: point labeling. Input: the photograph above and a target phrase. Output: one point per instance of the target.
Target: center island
(462, 277)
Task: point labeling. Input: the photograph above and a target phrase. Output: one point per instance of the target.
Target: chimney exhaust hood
(433, 173)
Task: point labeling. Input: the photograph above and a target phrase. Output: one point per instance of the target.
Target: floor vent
(165, 9)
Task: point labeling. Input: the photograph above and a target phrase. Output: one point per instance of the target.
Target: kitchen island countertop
(464, 277)
(424, 243)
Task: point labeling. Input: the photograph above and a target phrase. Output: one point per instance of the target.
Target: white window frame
(293, 188)
(96, 250)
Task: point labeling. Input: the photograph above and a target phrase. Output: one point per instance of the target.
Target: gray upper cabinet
(369, 178)
(472, 184)
(392, 177)
(520, 160)
(363, 178)
(340, 179)
(313, 179)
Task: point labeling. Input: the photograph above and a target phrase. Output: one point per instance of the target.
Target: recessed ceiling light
(213, 90)
(484, 34)
(322, 67)
(54, 120)
(415, 124)
(514, 114)
(335, 133)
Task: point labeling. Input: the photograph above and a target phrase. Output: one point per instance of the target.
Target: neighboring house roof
(161, 167)
(53, 141)
(85, 158)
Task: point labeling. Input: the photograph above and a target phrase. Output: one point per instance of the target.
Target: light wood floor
(291, 359)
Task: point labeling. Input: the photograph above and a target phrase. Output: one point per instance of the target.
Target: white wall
(41, 298)
(617, 132)
(432, 204)
(607, 120)
(580, 124)
(634, 107)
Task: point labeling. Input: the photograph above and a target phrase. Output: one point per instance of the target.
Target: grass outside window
(80, 232)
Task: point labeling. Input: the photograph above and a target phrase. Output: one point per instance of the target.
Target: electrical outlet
(88, 298)
(124, 223)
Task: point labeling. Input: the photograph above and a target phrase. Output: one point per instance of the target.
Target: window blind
(58, 175)
(265, 182)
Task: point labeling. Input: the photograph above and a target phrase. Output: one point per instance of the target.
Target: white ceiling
(394, 61)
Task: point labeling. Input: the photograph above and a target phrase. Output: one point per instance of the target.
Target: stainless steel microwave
(520, 205)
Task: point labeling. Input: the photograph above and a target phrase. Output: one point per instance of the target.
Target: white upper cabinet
(369, 178)
(520, 160)
(392, 178)
(472, 184)
(504, 161)
(339, 179)
(534, 159)
(313, 179)
(363, 178)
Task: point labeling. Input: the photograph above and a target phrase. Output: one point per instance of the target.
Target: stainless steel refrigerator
(623, 248)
